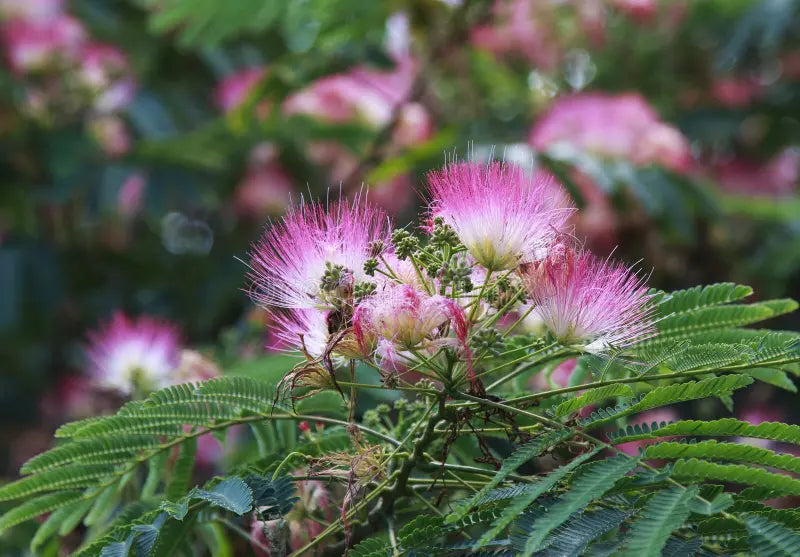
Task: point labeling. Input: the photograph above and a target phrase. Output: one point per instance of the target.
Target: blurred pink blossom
(266, 188)
(362, 94)
(235, 88)
(38, 10)
(129, 199)
(615, 126)
(111, 134)
(521, 27)
(735, 92)
(775, 177)
(394, 195)
(559, 377)
(641, 10)
(105, 72)
(32, 45)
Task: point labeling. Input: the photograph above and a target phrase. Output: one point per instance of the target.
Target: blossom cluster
(64, 71)
(343, 285)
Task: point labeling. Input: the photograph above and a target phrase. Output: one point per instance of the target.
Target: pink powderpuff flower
(588, 302)
(234, 89)
(614, 126)
(300, 329)
(289, 262)
(501, 215)
(133, 355)
(30, 45)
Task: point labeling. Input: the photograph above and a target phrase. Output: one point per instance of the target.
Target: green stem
(559, 352)
(522, 358)
(284, 461)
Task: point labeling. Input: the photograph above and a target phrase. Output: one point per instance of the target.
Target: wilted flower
(131, 355)
(315, 255)
(399, 318)
(589, 302)
(501, 215)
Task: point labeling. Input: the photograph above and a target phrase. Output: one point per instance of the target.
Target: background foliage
(77, 241)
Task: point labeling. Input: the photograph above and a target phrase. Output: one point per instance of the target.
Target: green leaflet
(523, 454)
(91, 451)
(698, 297)
(695, 469)
(571, 538)
(37, 506)
(662, 515)
(182, 471)
(774, 377)
(66, 477)
(773, 431)
(711, 355)
(592, 482)
(771, 539)
(662, 396)
(690, 324)
(592, 396)
(714, 450)
(528, 496)
(242, 392)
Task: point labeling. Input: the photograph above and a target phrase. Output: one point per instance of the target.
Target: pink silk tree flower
(614, 126)
(133, 355)
(591, 303)
(291, 260)
(503, 216)
(305, 330)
